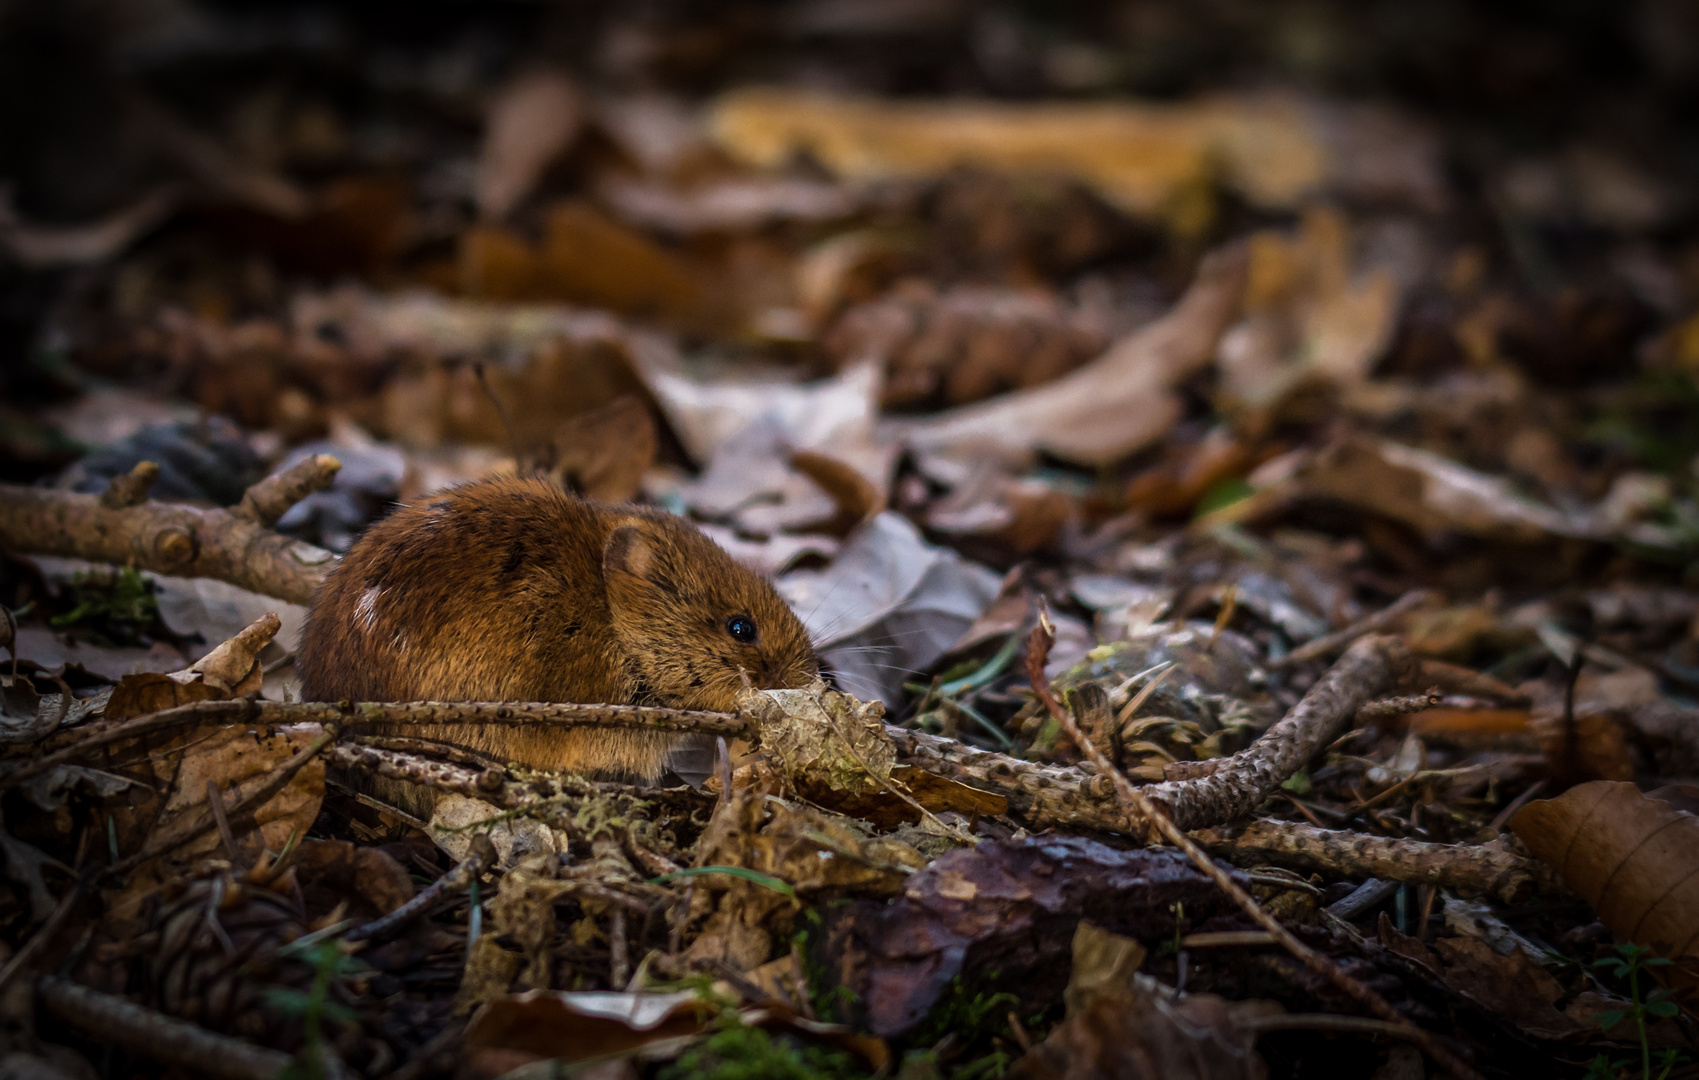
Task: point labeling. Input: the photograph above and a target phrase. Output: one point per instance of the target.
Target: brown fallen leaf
(585, 258)
(1510, 984)
(604, 453)
(1634, 859)
(1314, 320)
(1141, 1032)
(345, 871)
(570, 1026)
(1114, 405)
(857, 497)
(532, 120)
(230, 670)
(1009, 907)
(964, 344)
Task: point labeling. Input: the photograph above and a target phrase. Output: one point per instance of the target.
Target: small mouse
(513, 590)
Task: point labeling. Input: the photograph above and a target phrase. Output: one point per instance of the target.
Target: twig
(1358, 1025)
(1156, 818)
(166, 538)
(272, 497)
(350, 715)
(1369, 624)
(1238, 783)
(1387, 708)
(481, 857)
(34, 946)
(131, 488)
(488, 785)
(158, 1037)
(1487, 868)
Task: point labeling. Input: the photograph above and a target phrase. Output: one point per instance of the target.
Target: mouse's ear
(628, 551)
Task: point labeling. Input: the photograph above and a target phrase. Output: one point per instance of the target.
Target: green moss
(739, 1052)
(118, 606)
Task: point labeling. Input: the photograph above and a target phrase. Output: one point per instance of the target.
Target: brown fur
(512, 590)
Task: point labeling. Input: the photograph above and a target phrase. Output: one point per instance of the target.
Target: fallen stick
(1237, 784)
(1491, 868)
(456, 881)
(123, 527)
(1158, 824)
(1368, 624)
(77, 743)
(153, 1035)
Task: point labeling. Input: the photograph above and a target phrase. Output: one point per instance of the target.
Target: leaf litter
(1228, 416)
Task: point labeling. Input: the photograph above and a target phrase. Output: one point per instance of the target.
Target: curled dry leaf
(1634, 859)
(230, 670)
(574, 1026)
(965, 344)
(1428, 492)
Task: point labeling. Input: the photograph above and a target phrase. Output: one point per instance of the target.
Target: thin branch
(480, 859)
(1155, 816)
(158, 1037)
(1491, 868)
(34, 946)
(166, 538)
(272, 497)
(350, 715)
(1369, 624)
(1237, 784)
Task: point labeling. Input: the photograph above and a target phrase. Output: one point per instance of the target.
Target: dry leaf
(1313, 318)
(584, 258)
(1119, 402)
(602, 454)
(1421, 489)
(532, 120)
(965, 344)
(230, 670)
(889, 604)
(574, 1026)
(824, 735)
(1274, 150)
(1634, 859)
(1147, 1032)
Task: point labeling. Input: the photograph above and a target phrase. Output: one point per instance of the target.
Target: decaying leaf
(604, 453)
(1509, 984)
(889, 604)
(230, 670)
(824, 735)
(1117, 403)
(1420, 489)
(1634, 859)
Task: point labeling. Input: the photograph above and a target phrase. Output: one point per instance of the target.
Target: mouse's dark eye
(742, 628)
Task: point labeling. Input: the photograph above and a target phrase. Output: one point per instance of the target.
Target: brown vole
(513, 590)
